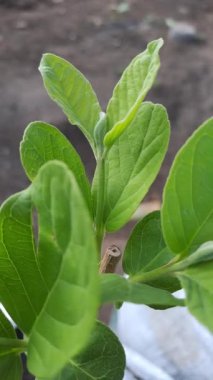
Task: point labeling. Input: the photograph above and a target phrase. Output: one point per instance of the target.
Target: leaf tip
(44, 63)
(155, 45)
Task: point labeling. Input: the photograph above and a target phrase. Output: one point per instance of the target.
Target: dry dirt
(100, 40)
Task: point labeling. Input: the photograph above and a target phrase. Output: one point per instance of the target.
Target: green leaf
(198, 284)
(72, 92)
(10, 363)
(22, 287)
(6, 329)
(42, 143)
(146, 251)
(118, 289)
(68, 261)
(131, 90)
(132, 164)
(47, 284)
(10, 367)
(103, 358)
(187, 211)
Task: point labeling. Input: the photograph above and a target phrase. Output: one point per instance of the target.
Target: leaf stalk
(12, 345)
(155, 273)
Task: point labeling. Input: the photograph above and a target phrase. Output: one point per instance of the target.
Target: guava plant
(52, 278)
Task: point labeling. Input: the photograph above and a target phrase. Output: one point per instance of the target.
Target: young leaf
(22, 287)
(133, 163)
(42, 143)
(72, 92)
(10, 363)
(187, 211)
(118, 289)
(131, 90)
(198, 284)
(103, 358)
(146, 251)
(66, 235)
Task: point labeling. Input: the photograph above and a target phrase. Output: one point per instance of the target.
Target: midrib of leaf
(135, 105)
(123, 190)
(199, 229)
(57, 279)
(66, 107)
(36, 150)
(52, 185)
(51, 291)
(80, 369)
(154, 259)
(47, 340)
(39, 269)
(73, 114)
(131, 173)
(147, 147)
(137, 102)
(36, 259)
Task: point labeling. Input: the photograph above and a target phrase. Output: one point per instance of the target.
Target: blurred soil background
(100, 38)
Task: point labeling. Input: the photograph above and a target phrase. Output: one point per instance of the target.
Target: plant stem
(110, 259)
(99, 237)
(100, 203)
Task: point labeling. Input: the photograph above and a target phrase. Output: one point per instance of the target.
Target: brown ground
(100, 41)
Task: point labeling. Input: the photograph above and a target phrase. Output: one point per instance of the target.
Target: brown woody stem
(110, 259)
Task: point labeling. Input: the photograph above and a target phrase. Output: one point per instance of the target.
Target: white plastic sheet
(170, 341)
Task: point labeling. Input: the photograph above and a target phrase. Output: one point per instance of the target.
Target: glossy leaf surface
(146, 251)
(10, 363)
(42, 143)
(133, 163)
(198, 284)
(103, 358)
(131, 90)
(187, 211)
(72, 92)
(118, 289)
(69, 267)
